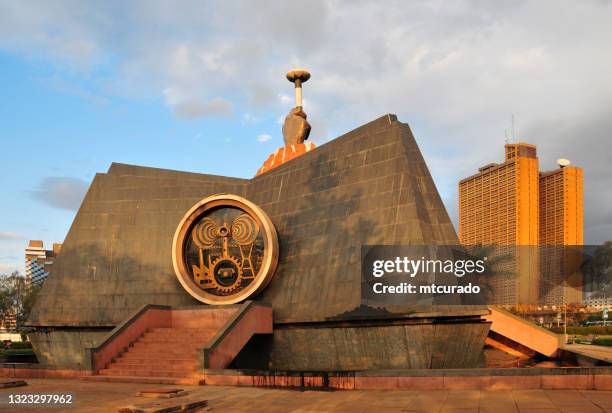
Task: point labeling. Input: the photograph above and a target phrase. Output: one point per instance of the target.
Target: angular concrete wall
(370, 186)
(65, 348)
(409, 346)
(117, 254)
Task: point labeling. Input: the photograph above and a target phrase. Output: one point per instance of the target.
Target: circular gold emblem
(225, 250)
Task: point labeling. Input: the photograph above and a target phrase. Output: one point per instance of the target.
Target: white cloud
(7, 268)
(185, 106)
(286, 100)
(61, 192)
(264, 137)
(249, 118)
(194, 109)
(7, 235)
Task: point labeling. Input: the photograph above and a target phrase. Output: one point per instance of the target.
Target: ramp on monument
(523, 332)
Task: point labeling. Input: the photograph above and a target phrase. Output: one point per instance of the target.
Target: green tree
(16, 298)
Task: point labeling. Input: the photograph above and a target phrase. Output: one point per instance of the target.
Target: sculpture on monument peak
(296, 128)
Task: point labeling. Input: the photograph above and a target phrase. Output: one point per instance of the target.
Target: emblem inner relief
(224, 251)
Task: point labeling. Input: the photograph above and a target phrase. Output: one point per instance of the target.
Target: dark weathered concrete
(117, 254)
(65, 348)
(408, 346)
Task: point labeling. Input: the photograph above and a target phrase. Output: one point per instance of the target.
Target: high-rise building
(499, 206)
(38, 261)
(561, 226)
(561, 206)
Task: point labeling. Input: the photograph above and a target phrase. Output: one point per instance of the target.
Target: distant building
(8, 323)
(598, 302)
(561, 235)
(499, 206)
(38, 261)
(518, 209)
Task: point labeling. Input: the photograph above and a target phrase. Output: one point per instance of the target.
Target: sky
(200, 86)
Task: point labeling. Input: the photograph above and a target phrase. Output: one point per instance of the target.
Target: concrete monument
(159, 258)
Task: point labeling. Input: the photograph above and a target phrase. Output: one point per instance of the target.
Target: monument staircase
(175, 345)
(165, 354)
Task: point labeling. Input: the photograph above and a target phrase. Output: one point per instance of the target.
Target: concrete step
(146, 355)
(175, 340)
(171, 330)
(155, 361)
(151, 372)
(189, 349)
(150, 366)
(184, 331)
(192, 381)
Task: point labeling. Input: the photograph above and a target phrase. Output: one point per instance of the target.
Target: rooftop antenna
(506, 136)
(513, 135)
(563, 163)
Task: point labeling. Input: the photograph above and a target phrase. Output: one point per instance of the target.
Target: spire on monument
(296, 128)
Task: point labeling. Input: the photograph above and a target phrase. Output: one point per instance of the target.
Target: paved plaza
(97, 397)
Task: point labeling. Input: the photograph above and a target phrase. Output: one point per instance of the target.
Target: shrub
(585, 331)
(604, 341)
(21, 344)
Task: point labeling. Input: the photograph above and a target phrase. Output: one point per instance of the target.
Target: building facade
(518, 209)
(598, 301)
(38, 261)
(561, 234)
(499, 206)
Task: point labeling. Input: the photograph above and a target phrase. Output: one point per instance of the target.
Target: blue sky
(59, 129)
(85, 84)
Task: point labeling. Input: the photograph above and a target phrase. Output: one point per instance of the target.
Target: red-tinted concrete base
(598, 378)
(22, 372)
(490, 379)
(194, 380)
(42, 373)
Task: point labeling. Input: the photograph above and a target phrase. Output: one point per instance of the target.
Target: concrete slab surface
(7, 383)
(98, 397)
(603, 353)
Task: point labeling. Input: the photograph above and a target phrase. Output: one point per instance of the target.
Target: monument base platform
(445, 339)
(569, 378)
(562, 378)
